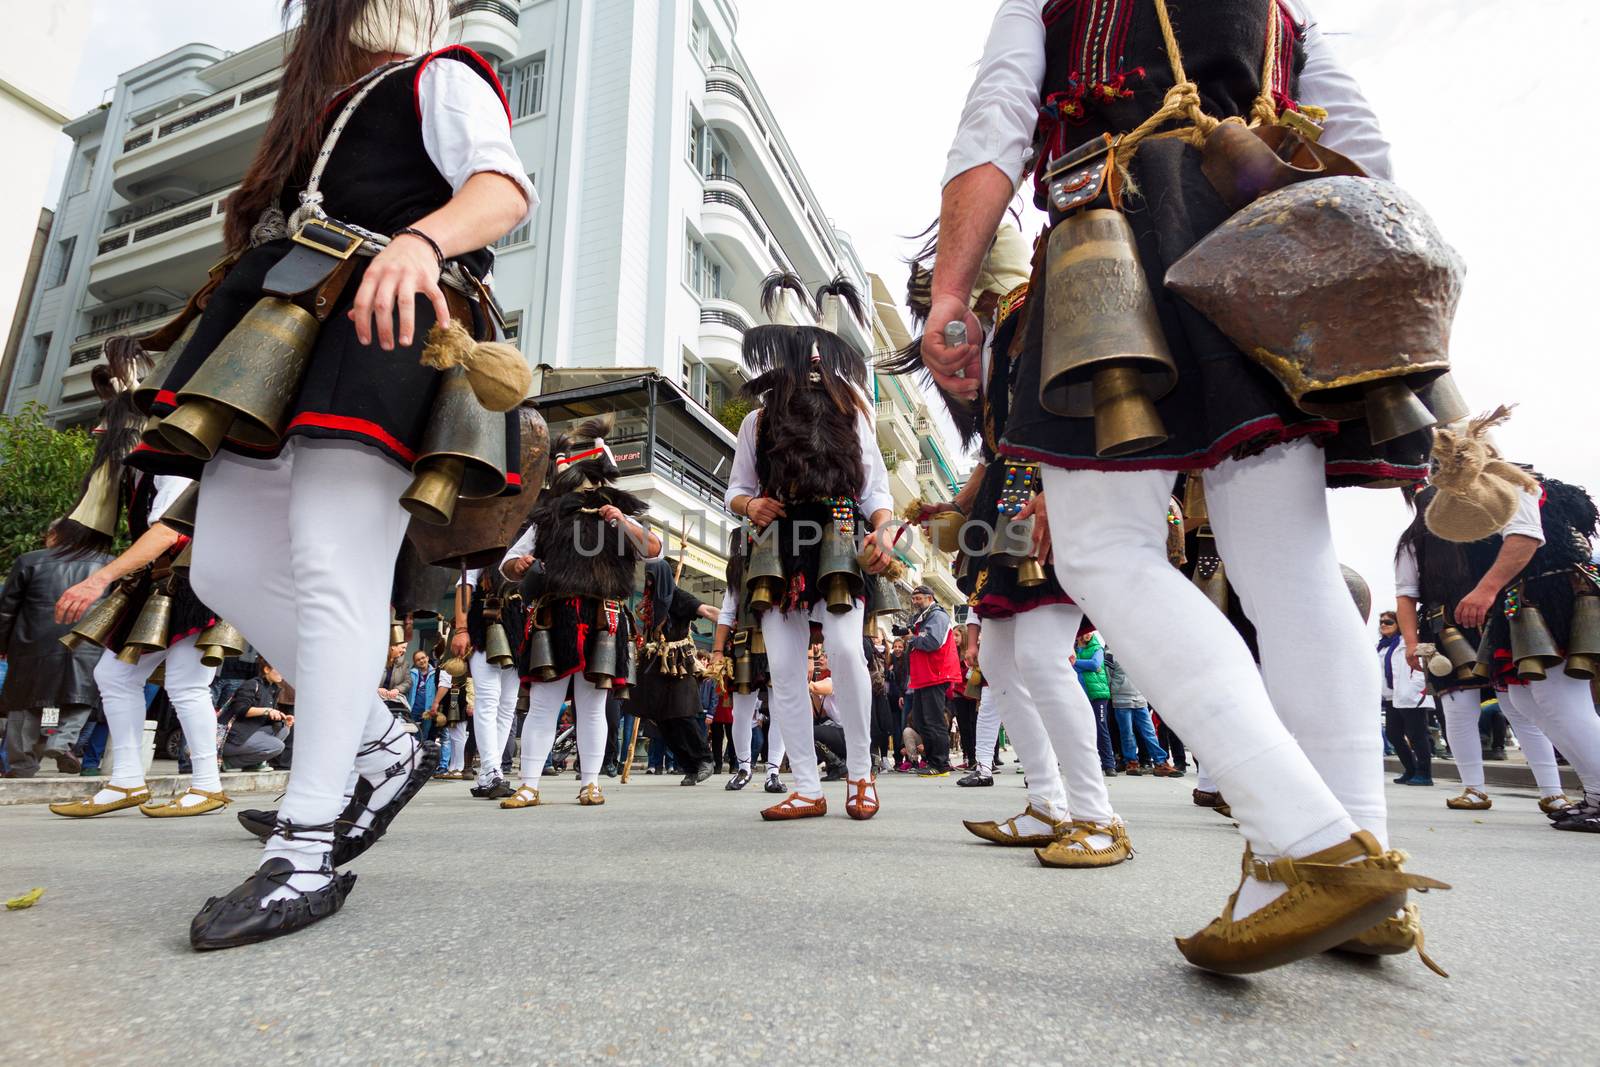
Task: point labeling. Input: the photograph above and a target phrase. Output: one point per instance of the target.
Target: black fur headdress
(582, 555)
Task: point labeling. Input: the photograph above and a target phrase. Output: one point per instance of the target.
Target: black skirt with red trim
(353, 392)
(578, 626)
(1224, 405)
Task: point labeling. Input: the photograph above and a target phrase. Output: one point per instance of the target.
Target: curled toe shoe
(1328, 901)
(239, 919)
(1074, 851)
(88, 809)
(1006, 833)
(418, 766)
(1395, 936)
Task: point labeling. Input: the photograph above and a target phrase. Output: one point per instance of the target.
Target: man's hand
(1475, 607)
(518, 567)
(404, 270)
(762, 510)
(955, 370)
(1411, 657)
(874, 558)
(1034, 509)
(460, 643)
(715, 666)
(79, 599)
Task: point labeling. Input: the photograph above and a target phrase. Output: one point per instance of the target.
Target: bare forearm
(969, 492)
(143, 552)
(969, 213)
(487, 207)
(1405, 611)
(1515, 552)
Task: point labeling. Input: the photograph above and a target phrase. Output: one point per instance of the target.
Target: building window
(706, 153)
(34, 369)
(63, 263)
(85, 175)
(524, 84)
(700, 272)
(513, 325)
(699, 38)
(697, 139)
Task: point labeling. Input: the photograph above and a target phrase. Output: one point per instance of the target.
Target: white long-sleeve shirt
(169, 487)
(465, 129)
(873, 494)
(1002, 108)
(730, 608)
(1410, 687)
(1524, 523)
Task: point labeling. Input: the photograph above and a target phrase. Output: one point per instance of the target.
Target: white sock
(1255, 894)
(399, 749)
(306, 852)
(1028, 825)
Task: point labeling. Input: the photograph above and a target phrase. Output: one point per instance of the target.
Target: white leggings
(1271, 520)
(787, 636)
(1565, 710)
(188, 686)
(458, 745)
(298, 552)
(1462, 713)
(494, 709)
(745, 706)
(539, 727)
(1046, 711)
(988, 729)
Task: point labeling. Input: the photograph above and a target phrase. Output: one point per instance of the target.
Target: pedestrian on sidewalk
(1133, 717)
(1406, 704)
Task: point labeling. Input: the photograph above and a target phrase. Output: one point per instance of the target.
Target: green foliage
(41, 470)
(732, 412)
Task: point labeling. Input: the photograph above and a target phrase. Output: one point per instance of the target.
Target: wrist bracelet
(414, 232)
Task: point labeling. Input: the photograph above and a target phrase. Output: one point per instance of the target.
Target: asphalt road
(673, 927)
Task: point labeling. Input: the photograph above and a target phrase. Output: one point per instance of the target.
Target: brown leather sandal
(88, 809)
(177, 809)
(1395, 936)
(795, 806)
(861, 802)
(1471, 799)
(1006, 833)
(1074, 851)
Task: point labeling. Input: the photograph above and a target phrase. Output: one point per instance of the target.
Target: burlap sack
(498, 373)
(1477, 491)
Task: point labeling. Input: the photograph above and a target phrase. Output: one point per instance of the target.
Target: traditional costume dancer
(491, 599)
(668, 690)
(1020, 606)
(385, 173)
(576, 565)
(1305, 783)
(1432, 579)
(807, 473)
(738, 644)
(160, 620)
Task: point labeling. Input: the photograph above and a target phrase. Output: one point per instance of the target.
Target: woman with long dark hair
(401, 147)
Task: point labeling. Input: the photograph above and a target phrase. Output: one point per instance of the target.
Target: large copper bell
(1030, 572)
(1533, 647)
(602, 661)
(150, 629)
(100, 621)
(185, 558)
(397, 631)
(1104, 352)
(220, 641)
(541, 652)
(1342, 287)
(497, 646)
(1209, 574)
(100, 504)
(886, 599)
(1583, 648)
(763, 573)
(181, 515)
(149, 387)
(758, 641)
(244, 389)
(462, 453)
(1458, 650)
(838, 572)
(481, 530)
(1013, 547)
(1359, 590)
(944, 530)
(743, 671)
(1482, 669)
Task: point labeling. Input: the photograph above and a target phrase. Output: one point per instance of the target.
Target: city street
(673, 927)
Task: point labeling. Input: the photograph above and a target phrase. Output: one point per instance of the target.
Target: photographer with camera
(935, 666)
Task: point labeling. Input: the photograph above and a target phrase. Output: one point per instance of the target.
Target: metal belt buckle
(329, 238)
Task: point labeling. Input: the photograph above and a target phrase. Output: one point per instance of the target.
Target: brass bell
(758, 642)
(541, 652)
(885, 596)
(246, 386)
(101, 502)
(838, 572)
(497, 646)
(151, 628)
(763, 575)
(1194, 499)
(149, 387)
(630, 669)
(1533, 647)
(181, 515)
(1209, 574)
(1444, 400)
(220, 641)
(1457, 649)
(100, 621)
(1482, 668)
(1359, 590)
(600, 666)
(743, 672)
(1393, 410)
(397, 631)
(944, 530)
(1030, 572)
(1105, 354)
(974, 689)
(185, 558)
(463, 453)
(1583, 647)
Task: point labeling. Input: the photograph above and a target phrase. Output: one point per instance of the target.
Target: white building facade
(668, 193)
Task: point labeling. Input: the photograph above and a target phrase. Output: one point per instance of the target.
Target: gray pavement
(673, 927)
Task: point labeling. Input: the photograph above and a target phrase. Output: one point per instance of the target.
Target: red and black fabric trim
(1290, 35)
(1097, 42)
(472, 59)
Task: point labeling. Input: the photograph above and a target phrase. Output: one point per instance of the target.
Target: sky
(1484, 107)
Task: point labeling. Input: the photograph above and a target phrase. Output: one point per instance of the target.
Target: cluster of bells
(245, 389)
(1533, 648)
(1010, 544)
(841, 573)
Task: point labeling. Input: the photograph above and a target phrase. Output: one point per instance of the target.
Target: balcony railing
(201, 111)
(125, 326)
(509, 12)
(726, 190)
(722, 317)
(165, 222)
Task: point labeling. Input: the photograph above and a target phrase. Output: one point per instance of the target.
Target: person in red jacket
(935, 667)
